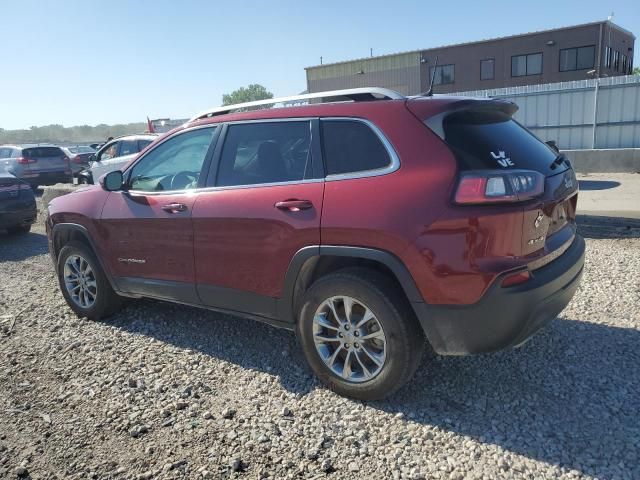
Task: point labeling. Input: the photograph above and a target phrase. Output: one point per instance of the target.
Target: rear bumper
(505, 317)
(46, 178)
(17, 217)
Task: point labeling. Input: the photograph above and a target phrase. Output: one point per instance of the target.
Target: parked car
(114, 155)
(17, 204)
(365, 226)
(36, 164)
(78, 157)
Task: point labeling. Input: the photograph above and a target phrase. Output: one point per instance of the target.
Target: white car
(114, 155)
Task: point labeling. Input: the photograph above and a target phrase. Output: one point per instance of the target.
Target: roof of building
(618, 27)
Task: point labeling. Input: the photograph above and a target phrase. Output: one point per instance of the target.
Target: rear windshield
(493, 140)
(42, 152)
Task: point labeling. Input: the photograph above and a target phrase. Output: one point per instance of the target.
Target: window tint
(487, 69)
(5, 152)
(351, 146)
(482, 140)
(255, 153)
(568, 59)
(142, 144)
(175, 164)
(522, 65)
(444, 74)
(43, 152)
(607, 57)
(127, 147)
(109, 151)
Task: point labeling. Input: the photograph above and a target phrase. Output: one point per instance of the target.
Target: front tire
(359, 334)
(84, 284)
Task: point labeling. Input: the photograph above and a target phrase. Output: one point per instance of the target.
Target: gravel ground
(166, 391)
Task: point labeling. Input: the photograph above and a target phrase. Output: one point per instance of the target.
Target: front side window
(487, 69)
(175, 164)
(265, 152)
(522, 65)
(351, 146)
(444, 74)
(108, 151)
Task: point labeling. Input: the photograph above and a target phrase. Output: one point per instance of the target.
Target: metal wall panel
(564, 112)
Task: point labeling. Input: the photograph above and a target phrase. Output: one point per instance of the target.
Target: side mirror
(112, 181)
(552, 144)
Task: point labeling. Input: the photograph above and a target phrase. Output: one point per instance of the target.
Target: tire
(105, 301)
(402, 337)
(20, 230)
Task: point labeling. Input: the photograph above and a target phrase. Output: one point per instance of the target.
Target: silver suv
(114, 155)
(40, 164)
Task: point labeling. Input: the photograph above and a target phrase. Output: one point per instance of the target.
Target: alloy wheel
(80, 281)
(349, 339)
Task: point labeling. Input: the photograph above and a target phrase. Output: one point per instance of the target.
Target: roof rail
(352, 94)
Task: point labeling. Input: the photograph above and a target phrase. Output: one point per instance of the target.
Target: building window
(624, 64)
(522, 65)
(607, 57)
(580, 58)
(487, 69)
(444, 74)
(616, 60)
(630, 67)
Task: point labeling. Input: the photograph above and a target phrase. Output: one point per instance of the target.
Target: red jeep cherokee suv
(364, 220)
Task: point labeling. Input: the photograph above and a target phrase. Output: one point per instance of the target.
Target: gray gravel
(166, 391)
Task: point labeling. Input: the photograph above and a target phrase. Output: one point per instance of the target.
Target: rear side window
(127, 147)
(5, 152)
(350, 146)
(265, 152)
(42, 152)
(493, 140)
(142, 144)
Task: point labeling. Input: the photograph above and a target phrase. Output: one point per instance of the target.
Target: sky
(76, 62)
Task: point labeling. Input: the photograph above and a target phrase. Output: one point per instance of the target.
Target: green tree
(636, 71)
(249, 94)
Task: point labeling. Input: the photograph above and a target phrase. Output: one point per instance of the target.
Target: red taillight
(495, 186)
(65, 158)
(516, 279)
(77, 159)
(25, 160)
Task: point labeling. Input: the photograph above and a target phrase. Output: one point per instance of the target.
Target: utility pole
(320, 59)
(371, 51)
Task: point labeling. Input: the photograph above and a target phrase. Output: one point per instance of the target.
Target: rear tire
(84, 284)
(20, 230)
(372, 358)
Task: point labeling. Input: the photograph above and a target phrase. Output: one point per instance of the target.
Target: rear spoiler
(433, 112)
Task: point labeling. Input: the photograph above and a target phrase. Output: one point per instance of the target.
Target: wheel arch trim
(60, 228)
(307, 257)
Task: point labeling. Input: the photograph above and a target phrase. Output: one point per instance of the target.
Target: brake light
(516, 279)
(25, 160)
(77, 159)
(496, 186)
(65, 158)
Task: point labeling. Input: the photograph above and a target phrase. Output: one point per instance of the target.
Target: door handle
(294, 205)
(174, 207)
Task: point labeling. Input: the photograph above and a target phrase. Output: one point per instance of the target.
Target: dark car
(36, 164)
(78, 157)
(371, 227)
(17, 204)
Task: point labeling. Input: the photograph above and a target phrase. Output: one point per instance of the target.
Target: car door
(264, 206)
(104, 158)
(148, 225)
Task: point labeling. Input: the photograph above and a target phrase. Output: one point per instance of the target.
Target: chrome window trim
(195, 191)
(127, 171)
(392, 167)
